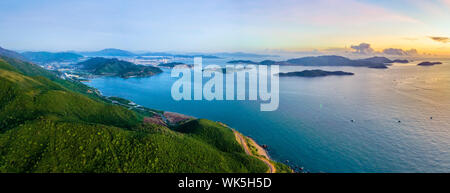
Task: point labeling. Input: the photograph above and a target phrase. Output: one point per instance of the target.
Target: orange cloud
(400, 52)
(362, 48)
(440, 39)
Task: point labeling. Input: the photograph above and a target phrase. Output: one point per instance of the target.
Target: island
(315, 73)
(225, 70)
(327, 60)
(242, 62)
(378, 66)
(376, 59)
(428, 63)
(267, 62)
(114, 67)
(382, 60)
(332, 60)
(400, 61)
(173, 65)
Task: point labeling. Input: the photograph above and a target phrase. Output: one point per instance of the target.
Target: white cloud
(362, 48)
(400, 52)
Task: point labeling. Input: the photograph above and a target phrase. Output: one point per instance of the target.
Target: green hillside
(115, 67)
(47, 127)
(11, 54)
(31, 69)
(212, 133)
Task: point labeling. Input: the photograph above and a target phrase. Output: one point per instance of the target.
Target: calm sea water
(392, 109)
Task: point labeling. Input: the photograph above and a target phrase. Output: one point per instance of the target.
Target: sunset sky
(221, 25)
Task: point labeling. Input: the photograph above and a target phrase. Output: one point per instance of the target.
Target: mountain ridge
(326, 60)
(115, 67)
(46, 127)
(49, 57)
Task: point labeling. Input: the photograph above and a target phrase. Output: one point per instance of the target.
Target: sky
(403, 27)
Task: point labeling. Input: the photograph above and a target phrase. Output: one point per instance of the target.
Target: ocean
(379, 120)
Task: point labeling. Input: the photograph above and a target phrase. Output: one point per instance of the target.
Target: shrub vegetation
(52, 125)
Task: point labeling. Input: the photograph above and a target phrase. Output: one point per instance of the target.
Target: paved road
(243, 142)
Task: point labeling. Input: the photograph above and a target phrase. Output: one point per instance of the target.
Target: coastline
(259, 153)
(165, 118)
(254, 149)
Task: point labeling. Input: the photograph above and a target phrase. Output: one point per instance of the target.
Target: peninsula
(173, 65)
(114, 67)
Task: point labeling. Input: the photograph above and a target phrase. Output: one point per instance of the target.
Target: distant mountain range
(124, 53)
(115, 67)
(177, 55)
(330, 60)
(52, 125)
(43, 57)
(11, 54)
(373, 62)
(244, 55)
(242, 62)
(108, 52)
(119, 52)
(49, 57)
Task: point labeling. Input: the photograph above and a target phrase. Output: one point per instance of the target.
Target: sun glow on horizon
(226, 26)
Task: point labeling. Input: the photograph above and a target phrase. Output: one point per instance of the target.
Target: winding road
(244, 144)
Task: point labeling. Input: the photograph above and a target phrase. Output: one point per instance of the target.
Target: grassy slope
(120, 100)
(212, 133)
(30, 69)
(45, 127)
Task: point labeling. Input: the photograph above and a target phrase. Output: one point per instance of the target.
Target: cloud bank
(366, 49)
(362, 48)
(400, 52)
